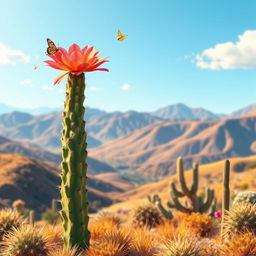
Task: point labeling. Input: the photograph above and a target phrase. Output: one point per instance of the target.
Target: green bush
(50, 216)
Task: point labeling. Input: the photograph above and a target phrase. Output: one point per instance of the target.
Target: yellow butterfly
(52, 49)
(35, 67)
(120, 36)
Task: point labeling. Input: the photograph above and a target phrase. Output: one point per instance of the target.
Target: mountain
(37, 183)
(152, 150)
(30, 150)
(117, 124)
(45, 130)
(242, 111)
(181, 112)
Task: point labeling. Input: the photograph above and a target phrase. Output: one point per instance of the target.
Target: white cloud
(27, 82)
(229, 55)
(48, 88)
(11, 57)
(126, 87)
(94, 89)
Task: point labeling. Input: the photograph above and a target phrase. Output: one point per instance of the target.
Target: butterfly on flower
(120, 36)
(52, 49)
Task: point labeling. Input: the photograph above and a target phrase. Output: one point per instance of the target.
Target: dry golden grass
(240, 245)
(198, 225)
(113, 243)
(100, 225)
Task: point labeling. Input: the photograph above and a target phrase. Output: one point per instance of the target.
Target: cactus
(226, 194)
(157, 201)
(147, 216)
(73, 191)
(194, 203)
(9, 219)
(25, 241)
(246, 196)
(54, 205)
(180, 246)
(240, 219)
(31, 218)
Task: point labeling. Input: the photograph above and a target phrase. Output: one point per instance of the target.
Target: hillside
(31, 150)
(152, 151)
(210, 175)
(36, 182)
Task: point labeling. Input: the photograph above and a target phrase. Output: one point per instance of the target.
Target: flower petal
(56, 65)
(59, 78)
(101, 69)
(74, 47)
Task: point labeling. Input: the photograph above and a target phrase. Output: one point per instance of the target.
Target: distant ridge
(181, 112)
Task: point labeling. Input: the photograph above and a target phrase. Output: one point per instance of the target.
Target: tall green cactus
(225, 194)
(195, 202)
(74, 168)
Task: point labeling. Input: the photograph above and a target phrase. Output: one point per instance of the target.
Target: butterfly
(35, 67)
(52, 49)
(120, 36)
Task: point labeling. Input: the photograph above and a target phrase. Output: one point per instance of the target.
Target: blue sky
(199, 52)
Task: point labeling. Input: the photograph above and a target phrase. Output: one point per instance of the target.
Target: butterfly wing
(52, 49)
(120, 36)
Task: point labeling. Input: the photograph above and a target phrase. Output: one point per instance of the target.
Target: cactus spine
(194, 203)
(226, 194)
(74, 167)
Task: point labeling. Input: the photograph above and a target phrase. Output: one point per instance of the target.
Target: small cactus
(180, 247)
(18, 205)
(240, 219)
(25, 241)
(195, 203)
(245, 197)
(31, 218)
(147, 216)
(9, 219)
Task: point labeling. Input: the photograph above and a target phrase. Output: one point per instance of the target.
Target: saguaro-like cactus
(225, 194)
(73, 191)
(73, 178)
(195, 203)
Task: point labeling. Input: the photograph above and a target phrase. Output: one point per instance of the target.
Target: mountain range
(152, 150)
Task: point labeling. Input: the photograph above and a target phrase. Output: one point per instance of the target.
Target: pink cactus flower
(76, 61)
(218, 214)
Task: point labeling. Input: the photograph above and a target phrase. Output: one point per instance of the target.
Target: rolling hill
(152, 150)
(31, 150)
(210, 175)
(36, 182)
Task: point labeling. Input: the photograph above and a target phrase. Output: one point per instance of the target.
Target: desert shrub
(166, 230)
(103, 223)
(245, 197)
(19, 206)
(250, 166)
(65, 252)
(25, 241)
(209, 247)
(143, 243)
(51, 216)
(180, 247)
(147, 216)
(198, 225)
(242, 186)
(240, 245)
(9, 219)
(113, 243)
(240, 219)
(54, 235)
